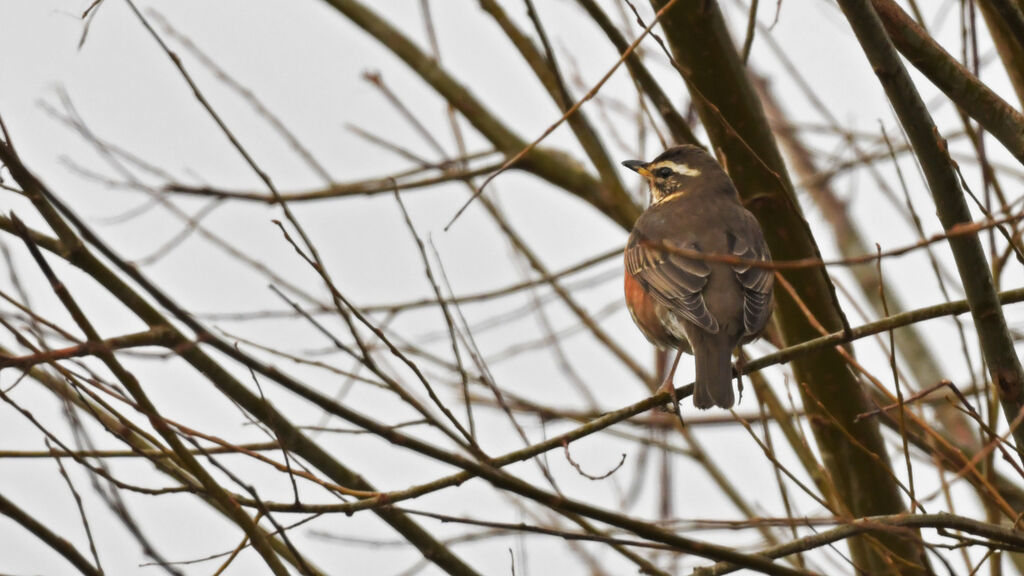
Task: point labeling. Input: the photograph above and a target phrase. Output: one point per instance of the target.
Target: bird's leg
(741, 361)
(667, 385)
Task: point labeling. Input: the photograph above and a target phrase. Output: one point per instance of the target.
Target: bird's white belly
(673, 324)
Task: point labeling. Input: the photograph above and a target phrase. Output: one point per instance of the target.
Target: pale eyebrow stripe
(683, 169)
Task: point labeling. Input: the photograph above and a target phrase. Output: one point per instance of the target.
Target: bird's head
(679, 170)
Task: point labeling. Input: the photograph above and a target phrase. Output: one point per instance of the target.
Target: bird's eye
(664, 172)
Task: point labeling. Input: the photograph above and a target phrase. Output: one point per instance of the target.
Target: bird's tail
(713, 386)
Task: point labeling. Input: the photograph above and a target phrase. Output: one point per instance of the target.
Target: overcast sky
(306, 64)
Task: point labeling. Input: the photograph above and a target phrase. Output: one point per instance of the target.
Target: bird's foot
(673, 405)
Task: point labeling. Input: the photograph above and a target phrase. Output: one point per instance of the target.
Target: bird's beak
(638, 166)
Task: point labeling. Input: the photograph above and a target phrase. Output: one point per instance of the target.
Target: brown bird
(703, 307)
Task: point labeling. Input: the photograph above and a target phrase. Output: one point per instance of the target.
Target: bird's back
(691, 221)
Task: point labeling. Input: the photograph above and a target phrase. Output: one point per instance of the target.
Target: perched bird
(700, 306)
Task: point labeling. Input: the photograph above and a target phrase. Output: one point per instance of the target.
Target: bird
(702, 306)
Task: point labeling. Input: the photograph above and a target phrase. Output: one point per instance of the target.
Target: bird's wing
(757, 282)
(672, 280)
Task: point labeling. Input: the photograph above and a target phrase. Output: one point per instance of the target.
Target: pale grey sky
(305, 61)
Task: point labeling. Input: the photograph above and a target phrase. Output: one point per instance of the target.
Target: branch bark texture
(853, 453)
(962, 87)
(996, 342)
